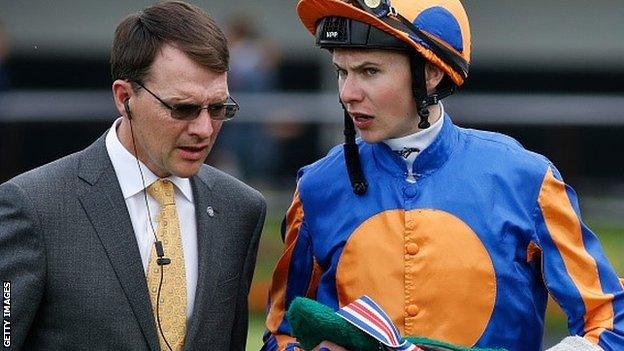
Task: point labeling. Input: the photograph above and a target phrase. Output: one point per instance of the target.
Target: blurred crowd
(266, 154)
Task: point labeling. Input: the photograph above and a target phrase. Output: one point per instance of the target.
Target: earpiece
(127, 107)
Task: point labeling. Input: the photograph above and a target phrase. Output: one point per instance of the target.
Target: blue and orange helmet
(436, 29)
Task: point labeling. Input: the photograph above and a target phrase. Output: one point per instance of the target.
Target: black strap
(352, 156)
(419, 89)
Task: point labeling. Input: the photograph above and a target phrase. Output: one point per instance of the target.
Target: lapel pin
(210, 211)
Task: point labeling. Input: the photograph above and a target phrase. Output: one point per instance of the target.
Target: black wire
(158, 308)
(149, 217)
(136, 157)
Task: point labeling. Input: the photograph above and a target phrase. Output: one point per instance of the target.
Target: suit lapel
(209, 231)
(105, 206)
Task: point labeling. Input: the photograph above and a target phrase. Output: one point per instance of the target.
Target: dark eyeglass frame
(385, 12)
(189, 112)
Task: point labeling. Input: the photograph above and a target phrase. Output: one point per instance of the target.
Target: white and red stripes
(367, 316)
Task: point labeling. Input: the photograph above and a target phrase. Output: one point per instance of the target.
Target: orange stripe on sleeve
(277, 292)
(317, 272)
(565, 230)
(294, 218)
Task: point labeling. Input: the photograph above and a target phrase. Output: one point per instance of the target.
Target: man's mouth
(193, 153)
(361, 117)
(192, 148)
(362, 120)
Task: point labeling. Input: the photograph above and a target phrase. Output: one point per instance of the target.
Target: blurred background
(548, 73)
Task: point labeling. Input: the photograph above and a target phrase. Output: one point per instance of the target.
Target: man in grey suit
(133, 243)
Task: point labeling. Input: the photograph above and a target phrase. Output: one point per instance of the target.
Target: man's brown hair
(140, 36)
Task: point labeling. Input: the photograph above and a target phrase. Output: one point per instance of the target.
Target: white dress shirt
(419, 140)
(129, 177)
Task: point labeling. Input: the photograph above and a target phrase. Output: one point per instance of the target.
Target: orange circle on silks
(446, 290)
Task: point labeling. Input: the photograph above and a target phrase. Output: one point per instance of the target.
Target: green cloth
(312, 322)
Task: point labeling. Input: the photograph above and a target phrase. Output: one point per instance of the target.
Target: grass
(611, 237)
(256, 329)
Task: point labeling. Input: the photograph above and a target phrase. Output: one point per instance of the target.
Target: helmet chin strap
(419, 90)
(352, 156)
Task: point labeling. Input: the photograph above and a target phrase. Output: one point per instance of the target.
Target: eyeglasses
(188, 112)
(386, 13)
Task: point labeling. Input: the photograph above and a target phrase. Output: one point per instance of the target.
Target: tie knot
(162, 191)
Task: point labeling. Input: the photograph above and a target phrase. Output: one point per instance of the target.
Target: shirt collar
(419, 140)
(125, 165)
(428, 161)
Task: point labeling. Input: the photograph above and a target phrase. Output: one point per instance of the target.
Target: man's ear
(434, 76)
(122, 91)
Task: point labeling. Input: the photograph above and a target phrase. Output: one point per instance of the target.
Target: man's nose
(202, 126)
(350, 90)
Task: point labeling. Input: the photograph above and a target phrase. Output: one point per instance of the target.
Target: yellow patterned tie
(172, 307)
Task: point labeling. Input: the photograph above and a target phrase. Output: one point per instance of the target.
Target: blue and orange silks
(467, 254)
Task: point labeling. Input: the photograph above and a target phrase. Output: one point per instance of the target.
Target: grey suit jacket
(77, 283)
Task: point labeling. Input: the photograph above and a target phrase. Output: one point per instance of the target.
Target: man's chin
(187, 170)
(370, 138)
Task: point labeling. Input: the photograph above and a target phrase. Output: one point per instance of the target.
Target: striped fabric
(367, 316)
